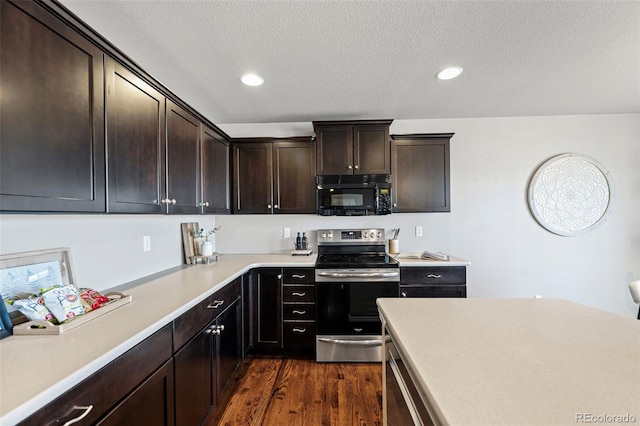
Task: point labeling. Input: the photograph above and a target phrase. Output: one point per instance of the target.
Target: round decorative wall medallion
(570, 194)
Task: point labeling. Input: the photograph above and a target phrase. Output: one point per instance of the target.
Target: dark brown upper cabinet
(135, 142)
(360, 147)
(183, 161)
(215, 172)
(273, 175)
(420, 173)
(52, 155)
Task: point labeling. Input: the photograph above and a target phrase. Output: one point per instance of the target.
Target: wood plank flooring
(277, 391)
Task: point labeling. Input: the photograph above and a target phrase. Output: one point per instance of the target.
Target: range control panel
(350, 236)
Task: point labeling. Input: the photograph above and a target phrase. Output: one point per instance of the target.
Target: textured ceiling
(326, 60)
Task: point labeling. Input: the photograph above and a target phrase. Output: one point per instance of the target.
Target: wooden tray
(117, 299)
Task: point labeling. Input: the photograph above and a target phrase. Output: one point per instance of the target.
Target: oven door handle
(358, 274)
(373, 342)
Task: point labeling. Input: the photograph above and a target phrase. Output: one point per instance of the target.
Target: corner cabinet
(215, 172)
(420, 173)
(273, 176)
(51, 114)
(352, 147)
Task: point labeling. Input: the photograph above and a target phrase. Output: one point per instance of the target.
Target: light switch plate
(287, 233)
(418, 231)
(146, 243)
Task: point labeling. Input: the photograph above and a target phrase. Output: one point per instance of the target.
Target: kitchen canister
(394, 246)
(207, 248)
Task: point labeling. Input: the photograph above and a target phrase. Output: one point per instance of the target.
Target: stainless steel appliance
(354, 195)
(352, 271)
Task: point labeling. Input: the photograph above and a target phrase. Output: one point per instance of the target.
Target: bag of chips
(33, 308)
(63, 302)
(93, 298)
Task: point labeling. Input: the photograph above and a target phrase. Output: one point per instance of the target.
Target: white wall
(492, 160)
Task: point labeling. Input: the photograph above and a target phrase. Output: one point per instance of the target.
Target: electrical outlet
(418, 231)
(537, 296)
(287, 232)
(146, 243)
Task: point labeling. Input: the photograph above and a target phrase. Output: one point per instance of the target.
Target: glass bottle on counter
(305, 242)
(298, 242)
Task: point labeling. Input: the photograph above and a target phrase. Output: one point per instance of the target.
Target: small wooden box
(28, 272)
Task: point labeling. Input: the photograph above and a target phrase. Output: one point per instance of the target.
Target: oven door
(349, 308)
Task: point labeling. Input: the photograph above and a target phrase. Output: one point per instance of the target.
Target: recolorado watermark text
(605, 418)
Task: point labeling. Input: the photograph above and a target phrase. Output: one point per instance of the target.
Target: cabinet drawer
(299, 335)
(299, 276)
(449, 290)
(434, 275)
(188, 324)
(109, 385)
(299, 312)
(298, 293)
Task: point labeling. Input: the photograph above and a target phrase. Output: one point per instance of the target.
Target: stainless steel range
(352, 271)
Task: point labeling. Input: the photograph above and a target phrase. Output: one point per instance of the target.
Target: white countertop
(518, 361)
(453, 261)
(34, 370)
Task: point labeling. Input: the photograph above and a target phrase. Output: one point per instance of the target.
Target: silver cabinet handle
(216, 304)
(275, 206)
(403, 294)
(164, 201)
(295, 293)
(350, 167)
(221, 327)
(298, 276)
(395, 204)
(216, 332)
(86, 412)
(356, 166)
(210, 330)
(268, 206)
(437, 276)
(299, 330)
(279, 276)
(205, 204)
(358, 274)
(299, 312)
(173, 201)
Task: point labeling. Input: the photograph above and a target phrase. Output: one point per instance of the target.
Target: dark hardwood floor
(277, 391)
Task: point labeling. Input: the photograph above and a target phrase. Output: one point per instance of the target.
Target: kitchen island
(34, 370)
(517, 361)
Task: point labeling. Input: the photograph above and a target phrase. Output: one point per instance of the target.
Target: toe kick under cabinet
(433, 281)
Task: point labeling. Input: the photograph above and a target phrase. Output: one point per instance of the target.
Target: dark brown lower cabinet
(140, 379)
(267, 300)
(446, 281)
(151, 403)
(204, 366)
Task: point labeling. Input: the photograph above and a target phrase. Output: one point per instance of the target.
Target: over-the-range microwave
(353, 195)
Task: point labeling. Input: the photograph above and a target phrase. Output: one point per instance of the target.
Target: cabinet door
(52, 155)
(215, 172)
(334, 147)
(420, 174)
(229, 341)
(252, 178)
(247, 313)
(194, 379)
(294, 182)
(183, 161)
(267, 301)
(371, 150)
(152, 403)
(135, 141)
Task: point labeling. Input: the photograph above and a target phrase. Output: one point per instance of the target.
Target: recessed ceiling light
(252, 79)
(449, 73)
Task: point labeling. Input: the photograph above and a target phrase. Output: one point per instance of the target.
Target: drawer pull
(299, 330)
(295, 293)
(403, 294)
(298, 276)
(86, 409)
(216, 304)
(299, 312)
(437, 276)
